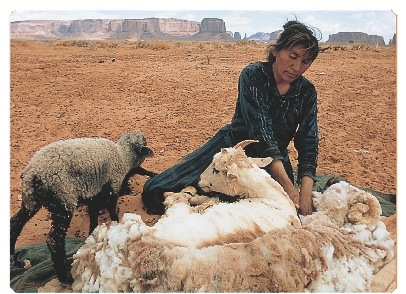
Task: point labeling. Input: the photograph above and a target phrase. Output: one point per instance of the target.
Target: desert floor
(178, 94)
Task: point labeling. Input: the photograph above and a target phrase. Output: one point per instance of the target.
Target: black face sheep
(69, 172)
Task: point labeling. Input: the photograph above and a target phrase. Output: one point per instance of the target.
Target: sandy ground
(178, 94)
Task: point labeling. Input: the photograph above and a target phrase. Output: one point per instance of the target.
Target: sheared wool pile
(358, 213)
(333, 252)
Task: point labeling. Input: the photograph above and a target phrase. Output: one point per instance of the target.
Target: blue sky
(373, 22)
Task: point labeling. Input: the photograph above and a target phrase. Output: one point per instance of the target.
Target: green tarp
(42, 271)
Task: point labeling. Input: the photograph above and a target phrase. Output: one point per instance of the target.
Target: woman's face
(291, 63)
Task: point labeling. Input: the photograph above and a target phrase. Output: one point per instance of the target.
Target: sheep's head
(223, 173)
(134, 143)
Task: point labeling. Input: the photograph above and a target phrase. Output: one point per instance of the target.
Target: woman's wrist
(306, 183)
(305, 196)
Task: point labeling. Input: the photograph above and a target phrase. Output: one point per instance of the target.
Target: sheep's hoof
(66, 285)
(67, 282)
(64, 278)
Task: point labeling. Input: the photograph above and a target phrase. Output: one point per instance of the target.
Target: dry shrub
(90, 44)
(229, 45)
(73, 43)
(154, 45)
(14, 42)
(247, 43)
(159, 45)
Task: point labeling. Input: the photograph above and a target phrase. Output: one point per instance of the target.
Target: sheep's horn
(245, 143)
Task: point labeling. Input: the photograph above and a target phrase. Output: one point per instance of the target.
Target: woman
(275, 105)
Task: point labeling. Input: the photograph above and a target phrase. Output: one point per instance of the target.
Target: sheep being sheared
(252, 245)
(67, 173)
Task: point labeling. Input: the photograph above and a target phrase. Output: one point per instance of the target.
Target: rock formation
(172, 26)
(212, 25)
(355, 37)
(264, 37)
(148, 28)
(392, 42)
(38, 29)
(115, 26)
(212, 29)
(89, 26)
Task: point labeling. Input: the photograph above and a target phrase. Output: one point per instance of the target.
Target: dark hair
(296, 33)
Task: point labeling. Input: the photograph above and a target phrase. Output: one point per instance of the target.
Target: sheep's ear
(261, 162)
(146, 152)
(232, 170)
(245, 143)
(231, 174)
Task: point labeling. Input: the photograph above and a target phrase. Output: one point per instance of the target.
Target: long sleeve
(306, 140)
(263, 114)
(253, 87)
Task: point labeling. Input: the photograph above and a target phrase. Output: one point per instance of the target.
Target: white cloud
(326, 27)
(235, 19)
(237, 23)
(192, 17)
(356, 16)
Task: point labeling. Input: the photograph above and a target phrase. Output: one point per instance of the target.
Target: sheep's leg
(113, 208)
(17, 223)
(93, 210)
(143, 172)
(56, 244)
(94, 207)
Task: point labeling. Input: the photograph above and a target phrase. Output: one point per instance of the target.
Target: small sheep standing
(66, 173)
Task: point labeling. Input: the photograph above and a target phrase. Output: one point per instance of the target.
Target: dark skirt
(188, 170)
(184, 173)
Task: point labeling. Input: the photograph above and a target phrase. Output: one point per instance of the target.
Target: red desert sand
(178, 94)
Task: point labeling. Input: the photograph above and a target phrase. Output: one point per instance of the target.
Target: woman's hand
(279, 174)
(294, 196)
(305, 196)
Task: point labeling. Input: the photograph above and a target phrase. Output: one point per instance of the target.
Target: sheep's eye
(215, 171)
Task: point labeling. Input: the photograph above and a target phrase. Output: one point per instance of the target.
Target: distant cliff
(209, 29)
(172, 26)
(392, 42)
(129, 29)
(212, 29)
(264, 37)
(38, 29)
(156, 28)
(212, 25)
(357, 37)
